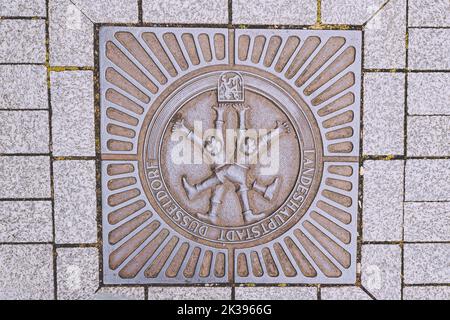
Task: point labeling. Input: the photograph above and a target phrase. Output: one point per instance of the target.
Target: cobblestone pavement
(50, 200)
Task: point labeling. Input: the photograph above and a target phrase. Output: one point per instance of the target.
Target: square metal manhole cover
(229, 156)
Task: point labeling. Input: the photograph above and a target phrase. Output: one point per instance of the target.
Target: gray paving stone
(427, 263)
(349, 11)
(428, 136)
(24, 177)
(381, 271)
(189, 293)
(343, 293)
(73, 113)
(427, 180)
(22, 8)
(384, 102)
(77, 273)
(185, 11)
(383, 200)
(26, 221)
(427, 221)
(426, 293)
(26, 272)
(109, 11)
(276, 293)
(23, 87)
(384, 37)
(429, 49)
(71, 35)
(75, 201)
(427, 94)
(429, 13)
(24, 132)
(302, 12)
(22, 41)
(120, 293)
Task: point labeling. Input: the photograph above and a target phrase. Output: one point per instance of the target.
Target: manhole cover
(229, 156)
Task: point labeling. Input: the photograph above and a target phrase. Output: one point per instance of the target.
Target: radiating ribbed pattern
(319, 245)
(318, 68)
(140, 66)
(141, 245)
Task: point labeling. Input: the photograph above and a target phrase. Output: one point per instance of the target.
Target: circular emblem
(230, 158)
